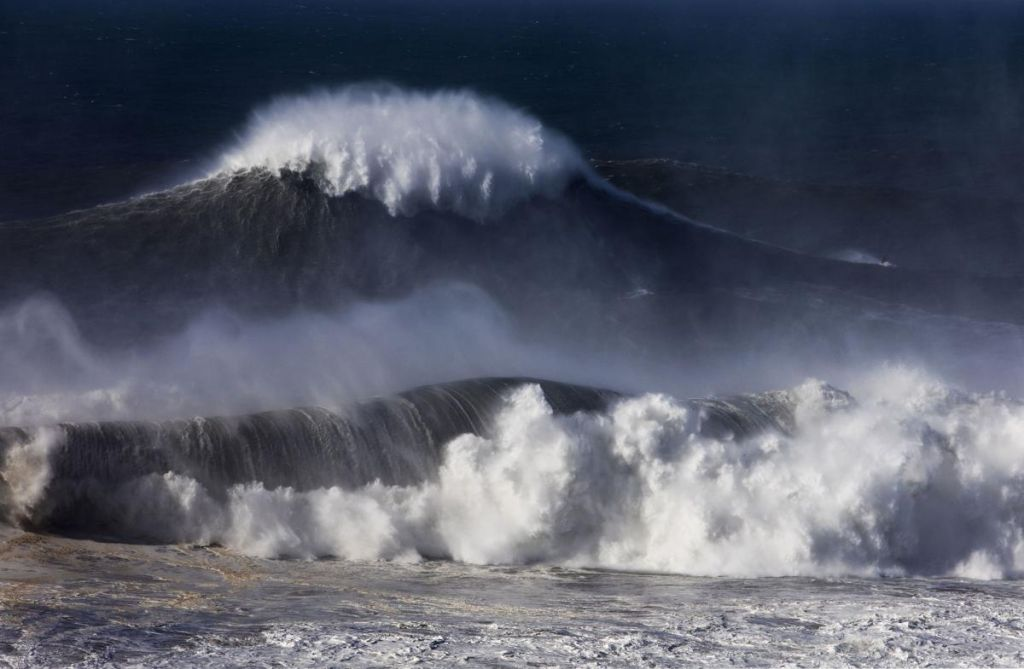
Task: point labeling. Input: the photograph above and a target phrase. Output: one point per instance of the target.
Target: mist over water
(221, 363)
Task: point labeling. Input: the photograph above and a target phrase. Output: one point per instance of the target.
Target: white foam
(916, 478)
(451, 150)
(25, 473)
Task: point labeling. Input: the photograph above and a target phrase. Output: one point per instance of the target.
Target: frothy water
(449, 150)
(911, 478)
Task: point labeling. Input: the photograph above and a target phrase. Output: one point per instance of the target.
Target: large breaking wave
(452, 150)
(909, 478)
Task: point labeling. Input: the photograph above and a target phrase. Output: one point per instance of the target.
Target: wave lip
(448, 150)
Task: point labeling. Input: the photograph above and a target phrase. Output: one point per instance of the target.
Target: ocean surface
(571, 333)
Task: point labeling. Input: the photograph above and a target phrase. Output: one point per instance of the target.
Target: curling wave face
(450, 150)
(911, 478)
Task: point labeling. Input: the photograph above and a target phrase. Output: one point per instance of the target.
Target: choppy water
(95, 604)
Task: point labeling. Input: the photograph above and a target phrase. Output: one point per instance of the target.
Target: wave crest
(450, 150)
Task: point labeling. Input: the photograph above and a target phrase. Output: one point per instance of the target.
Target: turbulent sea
(403, 374)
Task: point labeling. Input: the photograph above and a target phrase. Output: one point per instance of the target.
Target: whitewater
(451, 150)
(391, 337)
(912, 478)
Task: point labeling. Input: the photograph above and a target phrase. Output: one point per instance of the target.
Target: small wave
(450, 150)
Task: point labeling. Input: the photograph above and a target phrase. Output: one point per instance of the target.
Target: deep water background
(103, 99)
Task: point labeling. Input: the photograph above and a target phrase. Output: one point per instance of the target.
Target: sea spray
(25, 474)
(450, 150)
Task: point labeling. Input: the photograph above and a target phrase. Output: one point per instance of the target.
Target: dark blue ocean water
(104, 98)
